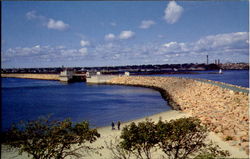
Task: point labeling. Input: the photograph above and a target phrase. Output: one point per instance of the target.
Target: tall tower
(207, 59)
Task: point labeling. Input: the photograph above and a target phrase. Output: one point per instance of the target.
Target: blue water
(27, 99)
(235, 77)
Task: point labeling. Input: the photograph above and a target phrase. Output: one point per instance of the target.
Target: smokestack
(215, 62)
(218, 61)
(207, 59)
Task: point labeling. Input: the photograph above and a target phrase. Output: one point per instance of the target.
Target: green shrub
(44, 139)
(179, 139)
(139, 139)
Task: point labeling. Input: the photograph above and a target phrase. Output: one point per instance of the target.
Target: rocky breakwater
(225, 112)
(33, 76)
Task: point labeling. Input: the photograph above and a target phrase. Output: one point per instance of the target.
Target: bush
(212, 151)
(45, 139)
(182, 137)
(139, 139)
(178, 139)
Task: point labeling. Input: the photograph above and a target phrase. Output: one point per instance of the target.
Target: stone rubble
(225, 112)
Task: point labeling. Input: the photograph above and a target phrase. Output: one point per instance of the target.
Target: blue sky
(85, 33)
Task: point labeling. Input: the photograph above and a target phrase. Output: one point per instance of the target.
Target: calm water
(26, 99)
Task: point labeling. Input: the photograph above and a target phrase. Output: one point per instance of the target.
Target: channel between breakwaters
(224, 111)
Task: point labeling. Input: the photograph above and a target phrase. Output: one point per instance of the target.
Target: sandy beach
(108, 134)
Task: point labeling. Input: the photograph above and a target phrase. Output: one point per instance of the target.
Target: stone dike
(33, 76)
(224, 111)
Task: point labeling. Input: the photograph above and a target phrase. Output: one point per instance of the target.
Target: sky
(109, 33)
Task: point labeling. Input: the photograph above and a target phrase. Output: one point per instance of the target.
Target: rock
(220, 109)
(231, 92)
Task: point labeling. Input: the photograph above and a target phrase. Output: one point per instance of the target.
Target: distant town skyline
(99, 33)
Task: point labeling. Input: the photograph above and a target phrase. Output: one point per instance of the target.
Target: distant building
(87, 74)
(98, 73)
(126, 73)
(66, 75)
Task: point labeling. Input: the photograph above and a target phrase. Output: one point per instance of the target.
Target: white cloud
(145, 24)
(109, 36)
(84, 43)
(173, 12)
(214, 44)
(48, 22)
(173, 47)
(83, 51)
(41, 52)
(171, 44)
(57, 25)
(230, 46)
(31, 15)
(222, 41)
(126, 34)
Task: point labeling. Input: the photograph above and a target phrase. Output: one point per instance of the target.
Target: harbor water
(27, 99)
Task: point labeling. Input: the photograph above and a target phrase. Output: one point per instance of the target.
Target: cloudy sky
(52, 34)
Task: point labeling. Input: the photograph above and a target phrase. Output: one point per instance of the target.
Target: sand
(107, 134)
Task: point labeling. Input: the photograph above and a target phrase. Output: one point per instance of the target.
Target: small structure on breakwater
(69, 75)
(100, 79)
(66, 75)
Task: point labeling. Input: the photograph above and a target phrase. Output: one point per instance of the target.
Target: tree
(181, 137)
(139, 139)
(212, 151)
(44, 138)
(178, 139)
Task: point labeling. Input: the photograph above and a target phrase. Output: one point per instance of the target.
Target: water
(27, 99)
(235, 77)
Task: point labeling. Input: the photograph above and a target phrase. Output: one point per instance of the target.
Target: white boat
(220, 71)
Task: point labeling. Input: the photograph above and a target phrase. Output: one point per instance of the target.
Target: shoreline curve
(224, 111)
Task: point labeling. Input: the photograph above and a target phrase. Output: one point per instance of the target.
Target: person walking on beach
(113, 125)
(118, 125)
